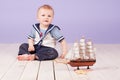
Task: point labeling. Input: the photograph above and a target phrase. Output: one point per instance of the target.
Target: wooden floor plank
(6, 62)
(15, 71)
(107, 66)
(8, 54)
(62, 72)
(46, 71)
(76, 76)
(30, 71)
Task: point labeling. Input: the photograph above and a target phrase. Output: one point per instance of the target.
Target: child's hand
(31, 48)
(62, 56)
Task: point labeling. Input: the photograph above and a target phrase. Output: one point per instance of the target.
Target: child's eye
(49, 15)
(43, 15)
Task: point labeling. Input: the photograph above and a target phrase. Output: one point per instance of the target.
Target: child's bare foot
(31, 57)
(24, 57)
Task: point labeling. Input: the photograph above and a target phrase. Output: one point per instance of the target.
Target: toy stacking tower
(84, 54)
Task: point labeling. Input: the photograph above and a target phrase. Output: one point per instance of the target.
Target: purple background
(98, 20)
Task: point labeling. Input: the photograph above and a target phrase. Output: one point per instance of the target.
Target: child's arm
(64, 48)
(31, 45)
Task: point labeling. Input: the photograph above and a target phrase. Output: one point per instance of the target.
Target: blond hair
(45, 6)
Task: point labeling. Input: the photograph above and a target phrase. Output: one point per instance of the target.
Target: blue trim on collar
(51, 27)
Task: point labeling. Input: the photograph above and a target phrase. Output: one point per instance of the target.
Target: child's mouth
(46, 20)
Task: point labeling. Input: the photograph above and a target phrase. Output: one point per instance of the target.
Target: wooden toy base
(78, 63)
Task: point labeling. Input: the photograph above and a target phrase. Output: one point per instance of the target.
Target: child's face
(45, 16)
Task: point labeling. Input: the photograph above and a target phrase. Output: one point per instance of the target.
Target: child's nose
(46, 17)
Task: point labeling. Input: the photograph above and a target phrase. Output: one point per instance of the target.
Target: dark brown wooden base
(78, 63)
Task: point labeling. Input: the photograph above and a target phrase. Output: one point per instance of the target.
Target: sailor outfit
(44, 42)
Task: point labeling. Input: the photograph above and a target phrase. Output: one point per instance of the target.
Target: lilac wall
(95, 19)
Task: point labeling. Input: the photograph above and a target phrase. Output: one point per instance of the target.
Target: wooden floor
(107, 66)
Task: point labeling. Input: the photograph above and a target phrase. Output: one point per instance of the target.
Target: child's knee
(54, 53)
(23, 45)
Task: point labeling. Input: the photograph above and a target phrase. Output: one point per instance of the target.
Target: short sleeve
(31, 34)
(56, 33)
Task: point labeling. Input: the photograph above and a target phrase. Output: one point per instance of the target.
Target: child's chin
(46, 24)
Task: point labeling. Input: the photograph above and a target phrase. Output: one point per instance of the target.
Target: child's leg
(23, 49)
(23, 53)
(46, 53)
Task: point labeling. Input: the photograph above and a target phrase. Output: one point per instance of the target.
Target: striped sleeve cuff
(60, 39)
(30, 37)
